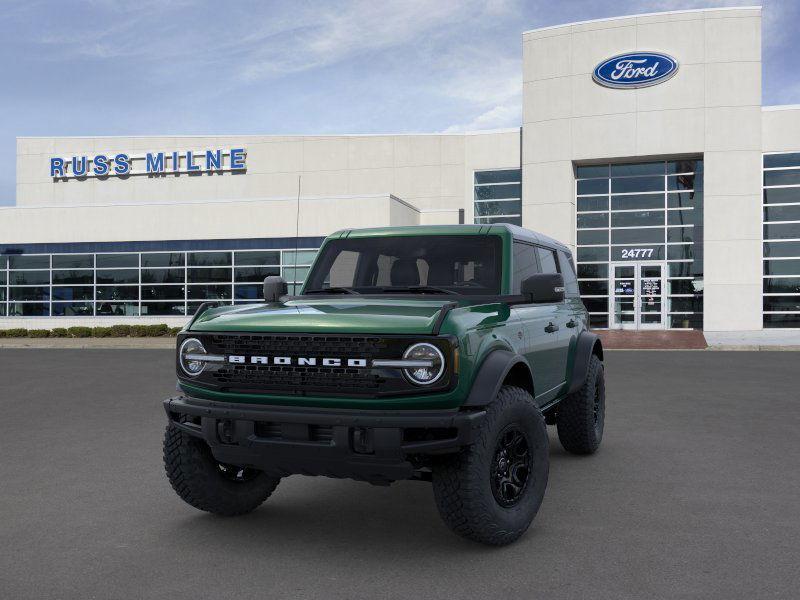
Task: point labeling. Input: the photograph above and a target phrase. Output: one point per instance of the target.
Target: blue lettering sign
(154, 163)
(79, 166)
(56, 167)
(237, 159)
(190, 166)
(100, 164)
(213, 160)
(123, 165)
(635, 70)
(176, 162)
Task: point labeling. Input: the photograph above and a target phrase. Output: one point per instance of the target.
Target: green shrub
(38, 333)
(173, 331)
(80, 332)
(101, 332)
(59, 332)
(2, 333)
(157, 330)
(120, 330)
(17, 332)
(138, 331)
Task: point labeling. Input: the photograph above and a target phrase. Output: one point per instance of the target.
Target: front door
(637, 295)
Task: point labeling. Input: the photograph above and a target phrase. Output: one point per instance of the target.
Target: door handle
(551, 328)
(571, 323)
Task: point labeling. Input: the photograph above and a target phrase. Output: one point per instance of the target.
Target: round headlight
(424, 352)
(187, 357)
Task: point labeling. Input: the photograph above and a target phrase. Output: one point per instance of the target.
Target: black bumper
(371, 445)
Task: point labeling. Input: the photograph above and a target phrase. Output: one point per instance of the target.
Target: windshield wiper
(419, 289)
(332, 290)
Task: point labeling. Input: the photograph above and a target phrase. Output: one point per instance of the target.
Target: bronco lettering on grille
(298, 361)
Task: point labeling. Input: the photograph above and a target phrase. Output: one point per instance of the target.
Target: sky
(162, 67)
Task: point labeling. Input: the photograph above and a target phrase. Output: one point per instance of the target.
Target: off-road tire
(201, 482)
(462, 483)
(581, 415)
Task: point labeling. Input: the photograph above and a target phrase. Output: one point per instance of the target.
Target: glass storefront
(781, 299)
(128, 284)
(640, 243)
(498, 196)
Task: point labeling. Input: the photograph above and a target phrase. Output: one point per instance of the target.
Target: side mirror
(544, 288)
(274, 287)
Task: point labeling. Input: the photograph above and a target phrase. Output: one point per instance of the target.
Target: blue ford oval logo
(635, 70)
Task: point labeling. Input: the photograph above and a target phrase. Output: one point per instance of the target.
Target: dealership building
(644, 146)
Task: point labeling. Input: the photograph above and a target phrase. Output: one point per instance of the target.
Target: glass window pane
(685, 304)
(593, 220)
(299, 276)
(599, 203)
(29, 293)
(498, 176)
(73, 261)
(118, 292)
(84, 292)
(782, 213)
(790, 159)
(596, 304)
(782, 285)
(686, 321)
(209, 292)
(250, 292)
(592, 186)
(163, 308)
(118, 276)
(637, 219)
(548, 262)
(684, 217)
(257, 257)
(680, 252)
(782, 303)
(680, 234)
(774, 321)
(494, 192)
(503, 207)
(681, 269)
(162, 292)
(598, 321)
(117, 309)
(73, 309)
(29, 262)
(596, 254)
(684, 182)
(782, 267)
(3, 262)
(28, 309)
(209, 259)
(684, 166)
(525, 265)
(29, 277)
(209, 275)
(490, 220)
(592, 271)
(782, 231)
(117, 260)
(637, 236)
(593, 236)
(685, 286)
(163, 259)
(254, 274)
(163, 275)
(775, 249)
(684, 200)
(782, 195)
(648, 168)
(73, 277)
(637, 202)
(2, 277)
(636, 184)
(304, 257)
(788, 177)
(593, 288)
(591, 171)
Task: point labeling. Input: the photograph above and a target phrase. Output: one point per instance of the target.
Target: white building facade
(678, 191)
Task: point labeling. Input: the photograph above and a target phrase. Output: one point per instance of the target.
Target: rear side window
(570, 280)
(547, 260)
(525, 264)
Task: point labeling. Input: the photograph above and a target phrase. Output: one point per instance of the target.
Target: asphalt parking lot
(694, 494)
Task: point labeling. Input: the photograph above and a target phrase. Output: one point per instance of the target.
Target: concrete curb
(89, 343)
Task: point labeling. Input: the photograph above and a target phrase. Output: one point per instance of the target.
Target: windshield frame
(502, 267)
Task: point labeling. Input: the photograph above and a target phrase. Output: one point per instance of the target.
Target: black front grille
(296, 379)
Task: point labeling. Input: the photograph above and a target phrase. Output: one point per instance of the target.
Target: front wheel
(209, 485)
(491, 491)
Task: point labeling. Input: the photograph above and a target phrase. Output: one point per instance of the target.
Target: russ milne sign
(635, 70)
(151, 163)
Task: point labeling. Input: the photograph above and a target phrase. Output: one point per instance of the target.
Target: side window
(547, 258)
(570, 280)
(525, 264)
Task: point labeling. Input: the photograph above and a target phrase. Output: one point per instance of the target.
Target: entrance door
(637, 295)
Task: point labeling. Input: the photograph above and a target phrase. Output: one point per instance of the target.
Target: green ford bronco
(436, 353)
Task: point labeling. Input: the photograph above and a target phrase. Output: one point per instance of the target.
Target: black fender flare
(490, 377)
(588, 343)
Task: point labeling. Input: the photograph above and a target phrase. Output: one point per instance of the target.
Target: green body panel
(480, 327)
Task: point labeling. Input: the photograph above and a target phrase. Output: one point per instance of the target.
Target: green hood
(356, 315)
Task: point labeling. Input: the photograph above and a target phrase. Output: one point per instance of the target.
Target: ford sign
(635, 70)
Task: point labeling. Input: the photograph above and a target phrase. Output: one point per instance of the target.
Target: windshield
(423, 264)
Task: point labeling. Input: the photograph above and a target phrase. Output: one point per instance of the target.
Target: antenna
(296, 235)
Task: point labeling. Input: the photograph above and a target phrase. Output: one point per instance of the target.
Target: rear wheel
(581, 415)
(209, 485)
(491, 491)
